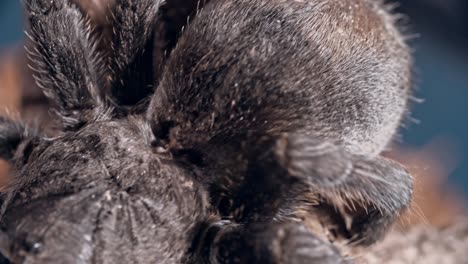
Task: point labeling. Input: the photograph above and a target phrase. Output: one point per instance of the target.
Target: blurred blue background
(10, 22)
(442, 73)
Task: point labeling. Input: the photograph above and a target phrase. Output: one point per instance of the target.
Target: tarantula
(263, 110)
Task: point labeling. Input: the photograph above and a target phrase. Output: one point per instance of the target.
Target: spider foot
(271, 243)
(366, 193)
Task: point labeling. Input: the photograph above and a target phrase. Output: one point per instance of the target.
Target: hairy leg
(225, 242)
(175, 15)
(67, 65)
(131, 62)
(12, 134)
(16, 143)
(371, 192)
(360, 196)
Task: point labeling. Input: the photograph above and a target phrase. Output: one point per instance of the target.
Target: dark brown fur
(262, 110)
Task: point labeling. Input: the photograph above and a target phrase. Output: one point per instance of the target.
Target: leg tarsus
(131, 59)
(371, 192)
(266, 243)
(370, 227)
(66, 64)
(334, 173)
(12, 135)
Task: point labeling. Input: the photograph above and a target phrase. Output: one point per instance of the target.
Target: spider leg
(12, 135)
(175, 15)
(372, 191)
(98, 12)
(4, 244)
(16, 144)
(360, 196)
(66, 64)
(271, 242)
(131, 60)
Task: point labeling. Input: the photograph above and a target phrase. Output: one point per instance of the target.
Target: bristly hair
(262, 108)
(68, 67)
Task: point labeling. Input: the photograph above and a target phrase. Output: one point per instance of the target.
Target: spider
(265, 113)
